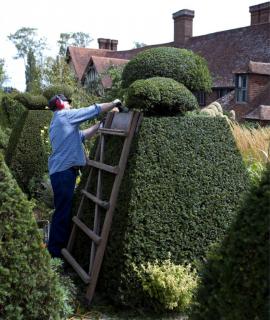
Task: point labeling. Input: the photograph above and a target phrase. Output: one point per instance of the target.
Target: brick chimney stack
(183, 25)
(108, 44)
(260, 13)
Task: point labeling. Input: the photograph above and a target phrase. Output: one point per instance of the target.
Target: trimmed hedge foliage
(12, 110)
(26, 154)
(57, 89)
(180, 191)
(32, 102)
(235, 280)
(3, 139)
(160, 96)
(29, 289)
(181, 65)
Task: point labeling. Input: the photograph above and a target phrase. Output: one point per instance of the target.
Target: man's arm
(90, 132)
(109, 106)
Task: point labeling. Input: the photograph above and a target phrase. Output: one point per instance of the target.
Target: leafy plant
(30, 288)
(181, 65)
(172, 286)
(160, 96)
(235, 282)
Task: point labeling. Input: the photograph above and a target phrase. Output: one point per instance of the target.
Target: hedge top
(181, 65)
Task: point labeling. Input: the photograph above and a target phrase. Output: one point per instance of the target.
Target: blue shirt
(67, 139)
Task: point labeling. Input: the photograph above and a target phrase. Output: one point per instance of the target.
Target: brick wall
(256, 84)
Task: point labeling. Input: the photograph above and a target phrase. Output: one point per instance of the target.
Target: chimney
(114, 44)
(107, 44)
(102, 43)
(183, 24)
(260, 13)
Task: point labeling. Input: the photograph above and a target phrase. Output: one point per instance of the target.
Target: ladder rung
(114, 132)
(91, 234)
(103, 166)
(103, 204)
(83, 275)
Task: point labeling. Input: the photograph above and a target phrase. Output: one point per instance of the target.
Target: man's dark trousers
(63, 184)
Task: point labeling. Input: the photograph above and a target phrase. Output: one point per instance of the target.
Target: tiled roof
(81, 56)
(224, 51)
(102, 64)
(231, 50)
(260, 113)
(256, 67)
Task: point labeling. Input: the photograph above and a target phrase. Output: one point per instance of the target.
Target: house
(238, 59)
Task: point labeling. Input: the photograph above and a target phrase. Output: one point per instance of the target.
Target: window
(241, 87)
(200, 95)
(223, 91)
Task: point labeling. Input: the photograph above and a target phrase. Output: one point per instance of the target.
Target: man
(67, 155)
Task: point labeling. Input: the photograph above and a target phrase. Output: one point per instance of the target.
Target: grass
(253, 143)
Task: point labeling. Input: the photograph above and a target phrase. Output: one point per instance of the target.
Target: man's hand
(117, 103)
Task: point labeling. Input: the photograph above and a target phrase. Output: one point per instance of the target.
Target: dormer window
(241, 87)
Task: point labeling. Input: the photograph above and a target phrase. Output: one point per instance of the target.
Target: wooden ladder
(116, 124)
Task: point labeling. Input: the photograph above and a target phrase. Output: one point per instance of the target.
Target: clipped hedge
(26, 155)
(235, 280)
(180, 191)
(160, 96)
(4, 136)
(57, 89)
(29, 289)
(181, 65)
(32, 102)
(11, 111)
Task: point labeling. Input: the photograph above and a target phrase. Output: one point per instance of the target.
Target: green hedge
(4, 137)
(160, 96)
(235, 280)
(29, 289)
(57, 89)
(181, 65)
(32, 102)
(26, 154)
(11, 110)
(180, 191)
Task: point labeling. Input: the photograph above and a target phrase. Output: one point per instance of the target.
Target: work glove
(120, 106)
(117, 103)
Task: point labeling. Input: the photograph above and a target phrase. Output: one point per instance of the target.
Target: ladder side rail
(109, 215)
(96, 228)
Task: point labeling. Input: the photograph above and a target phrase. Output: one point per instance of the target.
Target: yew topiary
(29, 288)
(57, 89)
(160, 96)
(11, 111)
(235, 281)
(26, 154)
(181, 65)
(179, 194)
(32, 102)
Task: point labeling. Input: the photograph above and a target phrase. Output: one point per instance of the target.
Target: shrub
(180, 191)
(170, 286)
(4, 136)
(12, 111)
(26, 154)
(32, 102)
(235, 280)
(160, 96)
(181, 65)
(57, 89)
(29, 288)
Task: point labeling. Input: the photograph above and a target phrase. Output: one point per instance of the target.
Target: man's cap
(54, 101)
